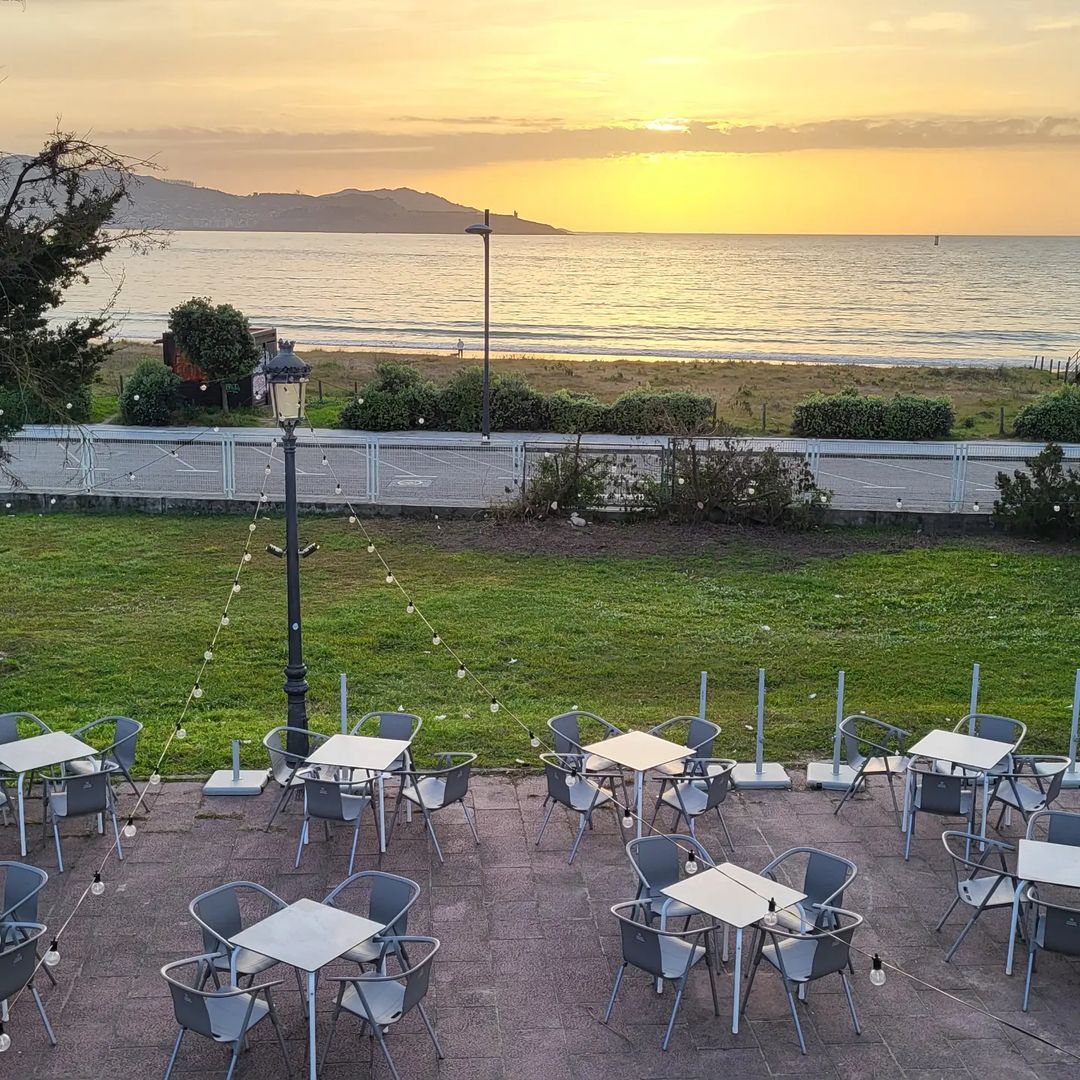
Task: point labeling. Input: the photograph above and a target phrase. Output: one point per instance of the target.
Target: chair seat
(1020, 797)
(693, 798)
(672, 768)
(596, 763)
(671, 909)
(429, 790)
(367, 952)
(673, 956)
(879, 765)
(247, 962)
(382, 1001)
(227, 1016)
(797, 955)
(1000, 890)
(585, 794)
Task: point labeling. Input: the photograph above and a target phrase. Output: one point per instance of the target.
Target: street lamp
(287, 375)
(485, 232)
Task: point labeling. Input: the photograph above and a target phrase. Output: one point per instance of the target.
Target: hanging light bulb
(131, 476)
(264, 497)
(181, 732)
(129, 829)
(371, 549)
(352, 519)
(627, 820)
(494, 705)
(267, 468)
(389, 578)
(324, 460)
(97, 886)
(5, 1040)
(975, 506)
(435, 639)
(410, 608)
(208, 655)
(236, 586)
(534, 742)
(691, 864)
(1057, 508)
(251, 527)
(877, 972)
(247, 556)
(337, 489)
(899, 504)
(682, 480)
(196, 691)
(461, 671)
(134, 397)
(52, 957)
(155, 779)
(202, 386)
(571, 780)
(224, 620)
(769, 918)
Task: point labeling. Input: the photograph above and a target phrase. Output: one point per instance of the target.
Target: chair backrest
(281, 763)
(866, 736)
(717, 785)
(418, 977)
(566, 733)
(997, 728)
(640, 941)
(22, 883)
(939, 793)
(190, 1005)
(1062, 826)
(390, 897)
(557, 770)
(827, 876)
(391, 725)
(658, 859)
(323, 799)
(457, 782)
(9, 725)
(17, 962)
(218, 912)
(87, 793)
(1061, 930)
(124, 740)
(701, 734)
(832, 948)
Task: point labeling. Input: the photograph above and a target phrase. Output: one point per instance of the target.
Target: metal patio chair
(19, 903)
(382, 1000)
(872, 748)
(81, 795)
(979, 886)
(938, 793)
(287, 769)
(120, 750)
(1054, 928)
(987, 726)
(803, 957)
(696, 793)
(568, 739)
(391, 725)
(226, 1016)
(699, 737)
(389, 898)
(1046, 775)
(1061, 826)
(430, 790)
(665, 955)
(333, 800)
(18, 965)
(567, 787)
(658, 861)
(9, 732)
(825, 878)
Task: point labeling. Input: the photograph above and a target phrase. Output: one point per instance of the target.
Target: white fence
(430, 469)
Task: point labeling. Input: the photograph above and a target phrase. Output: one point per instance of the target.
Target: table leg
(737, 981)
(311, 1021)
(985, 807)
(1014, 921)
(382, 813)
(639, 786)
(22, 814)
(907, 801)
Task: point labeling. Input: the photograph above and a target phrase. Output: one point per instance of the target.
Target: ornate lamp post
(287, 375)
(484, 231)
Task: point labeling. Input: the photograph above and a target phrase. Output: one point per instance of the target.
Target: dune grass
(111, 614)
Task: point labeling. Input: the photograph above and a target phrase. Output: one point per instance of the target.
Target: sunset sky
(658, 115)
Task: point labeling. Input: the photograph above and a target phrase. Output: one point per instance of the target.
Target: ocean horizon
(975, 300)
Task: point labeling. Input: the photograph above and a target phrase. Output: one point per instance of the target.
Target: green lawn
(111, 614)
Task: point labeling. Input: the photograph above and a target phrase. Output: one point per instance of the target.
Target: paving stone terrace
(529, 950)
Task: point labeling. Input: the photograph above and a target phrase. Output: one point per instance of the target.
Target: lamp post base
(226, 782)
(773, 776)
(820, 774)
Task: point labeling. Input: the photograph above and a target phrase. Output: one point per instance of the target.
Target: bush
(414, 405)
(516, 406)
(564, 482)
(571, 411)
(847, 415)
(19, 408)
(1044, 501)
(150, 395)
(648, 412)
(393, 376)
(461, 400)
(733, 484)
(216, 339)
(1052, 418)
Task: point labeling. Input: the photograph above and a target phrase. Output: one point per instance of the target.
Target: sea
(850, 299)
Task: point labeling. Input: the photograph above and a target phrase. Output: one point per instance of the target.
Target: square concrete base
(772, 775)
(250, 782)
(820, 774)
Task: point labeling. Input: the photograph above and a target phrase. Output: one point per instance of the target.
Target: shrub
(572, 411)
(648, 412)
(461, 400)
(1044, 501)
(216, 339)
(150, 395)
(393, 376)
(19, 408)
(1052, 418)
(847, 415)
(732, 483)
(380, 409)
(516, 406)
(563, 482)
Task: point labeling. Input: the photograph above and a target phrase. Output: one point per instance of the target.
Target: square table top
(733, 895)
(1050, 864)
(42, 752)
(359, 752)
(638, 750)
(968, 751)
(306, 935)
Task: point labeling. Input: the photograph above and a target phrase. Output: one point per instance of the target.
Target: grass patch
(111, 614)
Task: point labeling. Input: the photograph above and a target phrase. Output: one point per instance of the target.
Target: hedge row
(18, 408)
(849, 416)
(1052, 418)
(398, 399)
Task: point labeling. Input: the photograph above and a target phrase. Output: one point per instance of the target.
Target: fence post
(764, 415)
(228, 465)
(373, 470)
(1001, 421)
(121, 394)
(89, 476)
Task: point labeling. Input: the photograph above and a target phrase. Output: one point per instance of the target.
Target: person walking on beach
(460, 348)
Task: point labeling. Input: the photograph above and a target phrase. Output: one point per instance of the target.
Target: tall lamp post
(287, 375)
(484, 231)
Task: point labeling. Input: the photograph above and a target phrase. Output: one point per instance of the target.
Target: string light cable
(96, 886)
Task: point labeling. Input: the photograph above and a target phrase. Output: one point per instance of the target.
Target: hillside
(170, 204)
